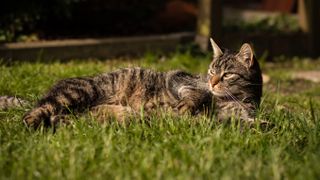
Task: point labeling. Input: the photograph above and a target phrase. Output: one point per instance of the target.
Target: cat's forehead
(228, 62)
(227, 58)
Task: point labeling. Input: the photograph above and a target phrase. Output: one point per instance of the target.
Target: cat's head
(235, 75)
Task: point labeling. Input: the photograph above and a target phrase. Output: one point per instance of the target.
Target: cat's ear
(216, 50)
(246, 55)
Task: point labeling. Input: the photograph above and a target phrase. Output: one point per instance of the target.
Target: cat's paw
(183, 107)
(30, 120)
(261, 124)
(36, 116)
(266, 125)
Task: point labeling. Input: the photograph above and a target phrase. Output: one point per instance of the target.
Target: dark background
(59, 19)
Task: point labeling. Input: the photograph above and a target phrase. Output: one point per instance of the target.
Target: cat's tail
(8, 102)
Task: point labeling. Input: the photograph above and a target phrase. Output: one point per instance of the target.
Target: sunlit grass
(164, 147)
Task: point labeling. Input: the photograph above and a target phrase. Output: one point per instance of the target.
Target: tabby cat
(233, 87)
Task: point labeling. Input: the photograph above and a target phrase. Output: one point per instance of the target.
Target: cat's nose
(214, 80)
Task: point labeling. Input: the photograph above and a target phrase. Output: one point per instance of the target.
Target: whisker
(235, 98)
(232, 97)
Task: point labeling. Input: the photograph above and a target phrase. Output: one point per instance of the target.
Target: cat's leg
(242, 116)
(192, 100)
(185, 106)
(67, 96)
(191, 92)
(34, 117)
(105, 112)
(45, 114)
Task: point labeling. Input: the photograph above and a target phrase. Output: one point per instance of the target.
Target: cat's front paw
(262, 124)
(184, 107)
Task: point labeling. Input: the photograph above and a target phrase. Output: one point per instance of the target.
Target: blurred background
(286, 27)
(44, 41)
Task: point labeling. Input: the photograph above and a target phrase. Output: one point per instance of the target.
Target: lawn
(166, 147)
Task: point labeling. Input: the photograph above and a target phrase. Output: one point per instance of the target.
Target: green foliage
(165, 147)
(277, 24)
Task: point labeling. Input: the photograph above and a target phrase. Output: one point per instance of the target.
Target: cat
(232, 87)
(7, 102)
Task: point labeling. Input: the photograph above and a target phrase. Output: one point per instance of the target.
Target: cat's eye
(227, 76)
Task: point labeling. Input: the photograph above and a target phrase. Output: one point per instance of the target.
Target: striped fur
(233, 85)
(125, 91)
(236, 82)
(7, 102)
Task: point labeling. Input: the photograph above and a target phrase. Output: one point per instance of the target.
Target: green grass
(166, 147)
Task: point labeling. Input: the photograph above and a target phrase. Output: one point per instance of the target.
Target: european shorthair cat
(232, 87)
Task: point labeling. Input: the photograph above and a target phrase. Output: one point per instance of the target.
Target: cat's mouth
(217, 93)
(216, 87)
